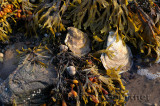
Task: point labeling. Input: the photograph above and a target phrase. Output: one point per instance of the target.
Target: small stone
(71, 70)
(57, 34)
(46, 35)
(63, 48)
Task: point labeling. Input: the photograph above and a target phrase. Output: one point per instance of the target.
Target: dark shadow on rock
(10, 61)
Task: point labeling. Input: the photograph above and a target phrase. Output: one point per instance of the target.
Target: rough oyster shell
(77, 41)
(122, 54)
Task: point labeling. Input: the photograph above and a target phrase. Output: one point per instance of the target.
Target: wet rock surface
(24, 81)
(27, 81)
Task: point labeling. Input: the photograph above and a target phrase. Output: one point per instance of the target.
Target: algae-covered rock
(29, 81)
(22, 83)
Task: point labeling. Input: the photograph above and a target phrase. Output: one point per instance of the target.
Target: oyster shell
(77, 41)
(122, 54)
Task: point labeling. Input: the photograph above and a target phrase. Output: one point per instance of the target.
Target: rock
(20, 85)
(77, 41)
(29, 81)
(122, 54)
(10, 60)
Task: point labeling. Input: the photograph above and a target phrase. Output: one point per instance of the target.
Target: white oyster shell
(122, 54)
(77, 41)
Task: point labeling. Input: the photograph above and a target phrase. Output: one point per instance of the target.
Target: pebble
(63, 48)
(46, 35)
(71, 70)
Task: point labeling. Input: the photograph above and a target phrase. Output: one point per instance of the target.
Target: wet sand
(142, 92)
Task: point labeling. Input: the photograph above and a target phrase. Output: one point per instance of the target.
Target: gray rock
(21, 84)
(29, 82)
